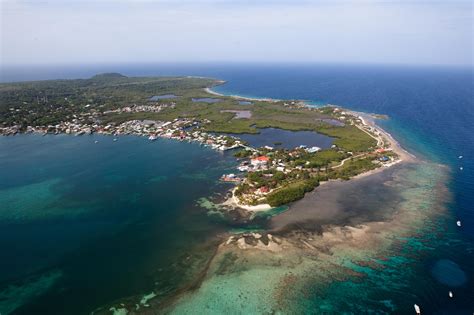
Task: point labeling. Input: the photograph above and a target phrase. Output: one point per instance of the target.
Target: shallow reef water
(368, 267)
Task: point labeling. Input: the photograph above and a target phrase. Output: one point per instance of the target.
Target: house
(230, 178)
(313, 149)
(259, 161)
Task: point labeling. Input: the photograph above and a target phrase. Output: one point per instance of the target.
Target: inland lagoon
(275, 137)
(206, 100)
(245, 103)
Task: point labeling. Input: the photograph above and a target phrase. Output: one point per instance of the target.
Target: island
(280, 151)
(186, 109)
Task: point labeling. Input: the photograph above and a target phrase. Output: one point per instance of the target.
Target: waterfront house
(259, 160)
(313, 149)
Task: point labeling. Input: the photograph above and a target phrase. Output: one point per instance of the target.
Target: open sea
(83, 224)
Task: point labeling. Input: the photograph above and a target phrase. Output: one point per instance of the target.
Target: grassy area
(354, 167)
(323, 158)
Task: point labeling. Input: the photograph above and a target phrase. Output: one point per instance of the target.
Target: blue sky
(86, 31)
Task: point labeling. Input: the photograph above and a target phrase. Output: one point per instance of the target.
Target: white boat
(461, 168)
(243, 168)
(152, 138)
(96, 141)
(458, 223)
(417, 309)
(115, 139)
(450, 294)
(460, 157)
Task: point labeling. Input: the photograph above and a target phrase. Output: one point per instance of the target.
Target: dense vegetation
(49, 102)
(243, 154)
(291, 192)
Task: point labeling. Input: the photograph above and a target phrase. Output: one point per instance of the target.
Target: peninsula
(186, 109)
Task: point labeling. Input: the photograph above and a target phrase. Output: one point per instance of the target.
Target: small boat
(450, 294)
(460, 157)
(115, 139)
(243, 168)
(230, 178)
(96, 141)
(458, 223)
(461, 168)
(152, 138)
(417, 309)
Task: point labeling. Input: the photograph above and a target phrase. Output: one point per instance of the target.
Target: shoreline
(369, 120)
(244, 98)
(233, 202)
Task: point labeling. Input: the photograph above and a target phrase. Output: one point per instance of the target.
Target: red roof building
(264, 189)
(260, 160)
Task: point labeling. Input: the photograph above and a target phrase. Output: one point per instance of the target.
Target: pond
(280, 138)
(332, 122)
(239, 113)
(162, 97)
(206, 100)
(245, 103)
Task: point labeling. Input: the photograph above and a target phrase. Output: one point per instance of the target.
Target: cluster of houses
(175, 129)
(142, 108)
(256, 163)
(11, 130)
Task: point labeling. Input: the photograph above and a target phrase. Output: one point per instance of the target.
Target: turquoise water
(84, 223)
(431, 112)
(371, 267)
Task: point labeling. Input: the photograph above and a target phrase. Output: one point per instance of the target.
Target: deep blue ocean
(431, 112)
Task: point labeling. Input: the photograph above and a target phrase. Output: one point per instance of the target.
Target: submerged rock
(448, 272)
